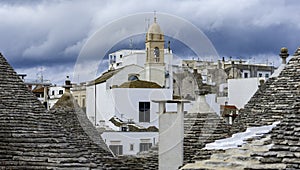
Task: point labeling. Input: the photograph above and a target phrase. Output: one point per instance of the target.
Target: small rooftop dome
(155, 28)
(154, 32)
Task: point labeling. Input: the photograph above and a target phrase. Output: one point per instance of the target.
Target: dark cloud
(48, 33)
(245, 42)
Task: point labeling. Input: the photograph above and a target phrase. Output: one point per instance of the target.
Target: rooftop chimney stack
(284, 54)
(171, 133)
(67, 85)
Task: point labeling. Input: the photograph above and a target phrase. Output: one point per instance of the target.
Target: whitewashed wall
(54, 98)
(90, 104)
(241, 90)
(212, 102)
(127, 138)
(138, 58)
(123, 102)
(126, 102)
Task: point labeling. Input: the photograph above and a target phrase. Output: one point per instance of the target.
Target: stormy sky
(46, 36)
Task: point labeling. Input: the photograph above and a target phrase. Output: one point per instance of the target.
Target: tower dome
(154, 32)
(154, 29)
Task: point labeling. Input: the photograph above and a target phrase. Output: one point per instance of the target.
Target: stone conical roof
(279, 149)
(31, 138)
(74, 120)
(63, 138)
(273, 99)
(204, 128)
(201, 126)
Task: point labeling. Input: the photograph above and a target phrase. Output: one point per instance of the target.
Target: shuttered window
(144, 111)
(145, 146)
(116, 149)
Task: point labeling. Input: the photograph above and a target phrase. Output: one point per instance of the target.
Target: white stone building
(79, 93)
(54, 93)
(120, 100)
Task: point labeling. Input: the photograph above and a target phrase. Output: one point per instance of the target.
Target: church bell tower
(155, 64)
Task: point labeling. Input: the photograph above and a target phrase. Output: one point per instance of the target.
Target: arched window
(156, 54)
(133, 78)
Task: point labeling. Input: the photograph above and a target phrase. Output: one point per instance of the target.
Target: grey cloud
(51, 33)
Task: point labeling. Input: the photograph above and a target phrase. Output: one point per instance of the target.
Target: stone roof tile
(63, 138)
(272, 100)
(277, 100)
(31, 138)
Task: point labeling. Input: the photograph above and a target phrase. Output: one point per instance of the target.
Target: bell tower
(155, 64)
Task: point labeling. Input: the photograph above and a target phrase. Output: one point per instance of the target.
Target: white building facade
(130, 143)
(123, 95)
(55, 92)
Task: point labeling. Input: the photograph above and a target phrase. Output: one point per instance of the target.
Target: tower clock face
(156, 52)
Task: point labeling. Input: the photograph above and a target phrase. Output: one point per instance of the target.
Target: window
(156, 54)
(259, 75)
(116, 149)
(83, 102)
(53, 92)
(267, 75)
(110, 59)
(121, 55)
(131, 147)
(144, 111)
(245, 75)
(124, 129)
(133, 78)
(60, 92)
(145, 146)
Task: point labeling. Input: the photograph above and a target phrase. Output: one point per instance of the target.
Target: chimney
(171, 133)
(200, 105)
(223, 63)
(195, 71)
(284, 54)
(261, 82)
(67, 85)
